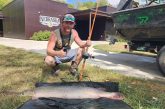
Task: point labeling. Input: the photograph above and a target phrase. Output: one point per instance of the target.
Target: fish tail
(112, 95)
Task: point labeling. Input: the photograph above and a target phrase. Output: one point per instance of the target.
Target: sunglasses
(69, 19)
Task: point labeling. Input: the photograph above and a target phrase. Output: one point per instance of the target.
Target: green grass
(119, 48)
(20, 70)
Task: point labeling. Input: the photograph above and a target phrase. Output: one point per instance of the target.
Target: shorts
(70, 56)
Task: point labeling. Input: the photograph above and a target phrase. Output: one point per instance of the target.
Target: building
(103, 23)
(21, 18)
(24, 17)
(1, 24)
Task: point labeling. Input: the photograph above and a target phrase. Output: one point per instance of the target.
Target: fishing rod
(89, 38)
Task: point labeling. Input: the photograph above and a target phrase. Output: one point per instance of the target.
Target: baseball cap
(69, 17)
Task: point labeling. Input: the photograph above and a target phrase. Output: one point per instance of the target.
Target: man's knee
(49, 60)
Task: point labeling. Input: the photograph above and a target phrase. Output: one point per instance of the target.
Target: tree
(84, 5)
(103, 2)
(88, 4)
(4, 3)
(70, 5)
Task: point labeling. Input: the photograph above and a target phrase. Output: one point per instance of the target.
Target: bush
(41, 35)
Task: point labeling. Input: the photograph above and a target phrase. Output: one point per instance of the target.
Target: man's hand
(62, 53)
(79, 42)
(88, 43)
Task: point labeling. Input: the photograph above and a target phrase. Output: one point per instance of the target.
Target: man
(58, 48)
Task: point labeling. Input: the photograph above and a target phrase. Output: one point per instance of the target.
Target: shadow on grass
(46, 71)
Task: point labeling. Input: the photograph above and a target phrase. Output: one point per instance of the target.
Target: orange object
(89, 38)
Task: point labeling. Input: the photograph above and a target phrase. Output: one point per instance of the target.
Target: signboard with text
(49, 21)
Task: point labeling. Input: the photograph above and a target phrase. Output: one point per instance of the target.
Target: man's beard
(67, 30)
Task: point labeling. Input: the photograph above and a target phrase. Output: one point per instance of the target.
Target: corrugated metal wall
(13, 24)
(22, 19)
(36, 8)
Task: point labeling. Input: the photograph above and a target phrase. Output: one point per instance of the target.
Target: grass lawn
(119, 48)
(20, 70)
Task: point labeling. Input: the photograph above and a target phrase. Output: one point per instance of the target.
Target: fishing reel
(87, 55)
(66, 48)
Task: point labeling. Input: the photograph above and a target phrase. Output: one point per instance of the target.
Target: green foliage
(103, 2)
(41, 35)
(85, 5)
(4, 3)
(89, 4)
(70, 5)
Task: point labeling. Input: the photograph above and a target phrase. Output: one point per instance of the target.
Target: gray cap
(69, 17)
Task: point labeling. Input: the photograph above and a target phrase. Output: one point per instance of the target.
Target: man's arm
(79, 42)
(51, 45)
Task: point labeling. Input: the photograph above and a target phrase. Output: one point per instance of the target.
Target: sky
(112, 2)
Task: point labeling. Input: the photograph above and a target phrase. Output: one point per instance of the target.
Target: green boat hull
(146, 23)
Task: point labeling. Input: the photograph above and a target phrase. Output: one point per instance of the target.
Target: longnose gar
(71, 92)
